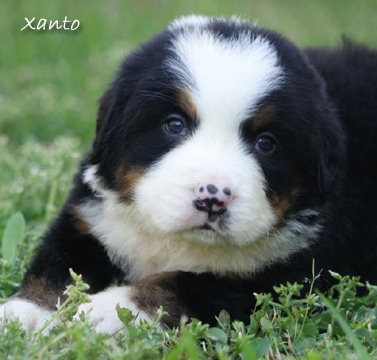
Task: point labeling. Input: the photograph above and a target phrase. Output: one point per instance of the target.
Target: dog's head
(219, 132)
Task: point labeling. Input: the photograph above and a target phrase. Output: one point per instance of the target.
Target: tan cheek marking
(128, 181)
(185, 102)
(295, 191)
(282, 205)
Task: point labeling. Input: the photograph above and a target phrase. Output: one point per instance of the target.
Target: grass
(49, 86)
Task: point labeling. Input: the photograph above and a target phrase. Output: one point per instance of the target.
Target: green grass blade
(248, 352)
(13, 235)
(186, 346)
(362, 354)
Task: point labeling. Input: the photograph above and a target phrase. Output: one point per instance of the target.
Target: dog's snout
(213, 198)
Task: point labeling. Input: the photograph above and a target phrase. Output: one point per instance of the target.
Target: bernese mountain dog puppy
(225, 161)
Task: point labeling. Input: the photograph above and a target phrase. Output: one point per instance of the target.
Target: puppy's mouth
(205, 227)
(208, 227)
(218, 224)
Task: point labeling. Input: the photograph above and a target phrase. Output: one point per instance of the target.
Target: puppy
(225, 161)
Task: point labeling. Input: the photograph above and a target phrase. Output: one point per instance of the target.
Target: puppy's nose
(212, 198)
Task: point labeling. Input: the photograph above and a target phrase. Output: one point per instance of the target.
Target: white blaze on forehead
(190, 20)
(226, 78)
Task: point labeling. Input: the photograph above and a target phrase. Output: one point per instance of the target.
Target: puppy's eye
(175, 125)
(265, 143)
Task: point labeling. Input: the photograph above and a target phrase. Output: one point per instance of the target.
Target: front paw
(32, 316)
(102, 313)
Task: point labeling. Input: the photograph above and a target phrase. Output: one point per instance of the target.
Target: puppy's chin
(206, 236)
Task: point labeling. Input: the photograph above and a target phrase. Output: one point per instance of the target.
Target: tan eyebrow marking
(262, 118)
(185, 102)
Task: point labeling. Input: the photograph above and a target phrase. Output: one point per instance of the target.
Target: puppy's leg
(68, 244)
(180, 294)
(34, 305)
(102, 309)
(201, 296)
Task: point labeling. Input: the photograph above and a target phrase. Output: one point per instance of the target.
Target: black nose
(212, 200)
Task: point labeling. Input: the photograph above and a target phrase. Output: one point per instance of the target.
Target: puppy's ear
(104, 114)
(331, 138)
(331, 153)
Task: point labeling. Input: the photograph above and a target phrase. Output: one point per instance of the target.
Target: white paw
(32, 316)
(102, 309)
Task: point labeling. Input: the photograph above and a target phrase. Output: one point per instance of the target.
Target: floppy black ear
(331, 138)
(332, 142)
(104, 114)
